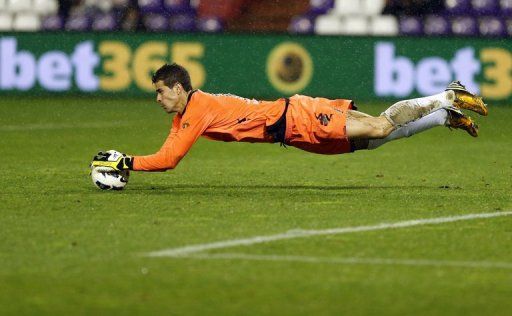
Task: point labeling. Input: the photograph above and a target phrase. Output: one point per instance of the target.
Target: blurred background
(488, 18)
(369, 49)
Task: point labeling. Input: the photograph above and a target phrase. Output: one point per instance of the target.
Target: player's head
(173, 74)
(172, 85)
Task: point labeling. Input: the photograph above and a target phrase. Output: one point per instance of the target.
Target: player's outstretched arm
(184, 134)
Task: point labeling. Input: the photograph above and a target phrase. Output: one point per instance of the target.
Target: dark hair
(172, 74)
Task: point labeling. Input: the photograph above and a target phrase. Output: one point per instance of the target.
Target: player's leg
(449, 117)
(363, 126)
(380, 130)
(455, 95)
(406, 111)
(358, 114)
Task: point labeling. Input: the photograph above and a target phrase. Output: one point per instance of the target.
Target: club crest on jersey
(323, 118)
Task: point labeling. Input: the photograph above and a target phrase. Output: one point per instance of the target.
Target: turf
(69, 248)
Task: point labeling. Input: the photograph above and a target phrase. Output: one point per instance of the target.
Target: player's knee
(379, 132)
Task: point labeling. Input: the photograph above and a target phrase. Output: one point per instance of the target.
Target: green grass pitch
(68, 248)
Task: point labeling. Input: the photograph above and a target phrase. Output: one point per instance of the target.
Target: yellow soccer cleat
(466, 100)
(458, 120)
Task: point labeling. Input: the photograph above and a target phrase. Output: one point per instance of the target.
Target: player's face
(168, 98)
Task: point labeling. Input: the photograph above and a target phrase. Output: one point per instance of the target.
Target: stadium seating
(384, 26)
(506, 7)
(25, 15)
(26, 22)
(485, 18)
(436, 25)
(151, 6)
(353, 17)
(301, 25)
(78, 22)
(410, 25)
(155, 22)
(492, 26)
(458, 7)
(52, 23)
(45, 7)
(210, 24)
(320, 6)
(5, 21)
(464, 26)
(17, 6)
(104, 22)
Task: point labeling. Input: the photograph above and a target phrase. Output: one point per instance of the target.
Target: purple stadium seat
(210, 25)
(78, 22)
(156, 22)
(104, 22)
(506, 7)
(185, 22)
(320, 6)
(52, 23)
(436, 25)
(485, 7)
(465, 26)
(302, 24)
(492, 26)
(458, 7)
(151, 6)
(410, 25)
(508, 26)
(178, 6)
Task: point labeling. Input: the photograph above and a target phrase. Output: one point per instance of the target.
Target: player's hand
(112, 160)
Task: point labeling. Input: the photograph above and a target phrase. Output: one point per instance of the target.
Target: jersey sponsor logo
(324, 119)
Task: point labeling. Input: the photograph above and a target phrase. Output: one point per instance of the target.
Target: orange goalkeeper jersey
(312, 124)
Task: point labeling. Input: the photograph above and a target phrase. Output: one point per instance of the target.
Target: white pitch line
(187, 250)
(352, 260)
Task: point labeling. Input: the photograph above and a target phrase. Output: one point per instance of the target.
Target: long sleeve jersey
(217, 117)
(312, 124)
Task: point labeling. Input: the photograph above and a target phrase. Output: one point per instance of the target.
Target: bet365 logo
(54, 71)
(106, 65)
(399, 76)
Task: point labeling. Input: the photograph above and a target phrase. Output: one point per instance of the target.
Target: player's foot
(456, 119)
(466, 100)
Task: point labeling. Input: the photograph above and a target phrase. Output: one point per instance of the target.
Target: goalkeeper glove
(112, 160)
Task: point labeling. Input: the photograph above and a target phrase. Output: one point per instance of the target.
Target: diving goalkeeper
(316, 125)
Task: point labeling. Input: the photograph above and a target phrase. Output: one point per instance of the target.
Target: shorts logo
(323, 118)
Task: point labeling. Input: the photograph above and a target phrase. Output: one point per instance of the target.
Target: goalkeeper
(316, 125)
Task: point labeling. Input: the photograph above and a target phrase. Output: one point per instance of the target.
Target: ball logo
(289, 68)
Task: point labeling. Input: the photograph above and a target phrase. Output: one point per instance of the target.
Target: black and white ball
(111, 180)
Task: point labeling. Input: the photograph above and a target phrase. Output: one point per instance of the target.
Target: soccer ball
(111, 180)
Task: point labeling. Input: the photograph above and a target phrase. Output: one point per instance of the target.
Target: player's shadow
(248, 188)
